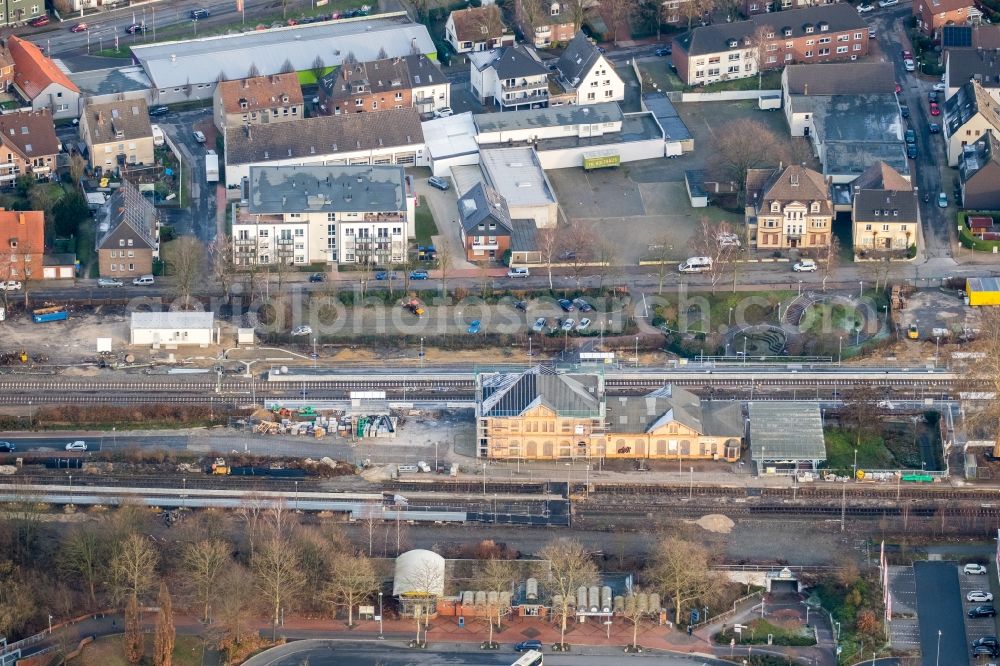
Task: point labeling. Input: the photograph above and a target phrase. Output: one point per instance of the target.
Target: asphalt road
(331, 653)
(939, 609)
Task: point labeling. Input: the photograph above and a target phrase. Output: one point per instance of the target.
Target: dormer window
(787, 32)
(808, 28)
(119, 134)
(483, 29)
(554, 9)
(243, 104)
(770, 35)
(284, 99)
(732, 43)
(13, 243)
(824, 26)
(815, 207)
(775, 207)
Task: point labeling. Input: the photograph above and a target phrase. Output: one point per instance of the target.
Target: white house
(969, 114)
(337, 214)
(510, 78)
(585, 71)
(172, 329)
(391, 136)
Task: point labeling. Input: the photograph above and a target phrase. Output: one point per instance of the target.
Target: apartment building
(587, 74)
(19, 12)
(22, 244)
(545, 23)
(117, 134)
(259, 100)
(477, 29)
(724, 51)
(486, 226)
(391, 83)
(885, 212)
(28, 144)
(969, 115)
(979, 171)
(40, 81)
(509, 78)
(788, 208)
(128, 238)
(337, 214)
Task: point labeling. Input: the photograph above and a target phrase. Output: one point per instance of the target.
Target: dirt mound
(716, 522)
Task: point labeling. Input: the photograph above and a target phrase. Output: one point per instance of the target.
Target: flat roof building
(171, 329)
(786, 437)
(518, 176)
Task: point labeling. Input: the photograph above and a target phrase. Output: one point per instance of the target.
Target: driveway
(444, 207)
(199, 217)
(939, 606)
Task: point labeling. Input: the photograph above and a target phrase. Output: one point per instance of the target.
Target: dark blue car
(524, 646)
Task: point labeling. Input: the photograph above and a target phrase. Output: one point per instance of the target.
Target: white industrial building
(337, 214)
(189, 69)
(518, 176)
(450, 142)
(392, 136)
(173, 329)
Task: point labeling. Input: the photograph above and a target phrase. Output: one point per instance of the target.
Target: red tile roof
(33, 72)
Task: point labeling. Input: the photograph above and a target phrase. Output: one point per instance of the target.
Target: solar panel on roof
(956, 36)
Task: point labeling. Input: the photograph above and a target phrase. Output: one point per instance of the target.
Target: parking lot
(976, 627)
(940, 605)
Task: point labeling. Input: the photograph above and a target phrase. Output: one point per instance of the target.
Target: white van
(695, 265)
(157, 135)
(143, 281)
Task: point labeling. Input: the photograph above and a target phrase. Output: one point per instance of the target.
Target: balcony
(245, 241)
(284, 241)
(383, 217)
(525, 85)
(540, 98)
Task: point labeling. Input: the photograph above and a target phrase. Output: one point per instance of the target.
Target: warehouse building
(172, 329)
(786, 437)
(983, 291)
(188, 70)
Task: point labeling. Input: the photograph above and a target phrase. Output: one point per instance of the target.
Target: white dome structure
(419, 573)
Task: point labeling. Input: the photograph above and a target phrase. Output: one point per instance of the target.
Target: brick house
(28, 144)
(258, 101)
(391, 83)
(128, 237)
(477, 29)
(485, 223)
(545, 23)
(39, 81)
(751, 7)
(22, 244)
(932, 15)
(718, 52)
(788, 208)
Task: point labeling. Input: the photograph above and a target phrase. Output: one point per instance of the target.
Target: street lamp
(730, 316)
(435, 456)
(637, 351)
(421, 352)
(800, 287)
(380, 634)
(937, 660)
(861, 290)
(50, 627)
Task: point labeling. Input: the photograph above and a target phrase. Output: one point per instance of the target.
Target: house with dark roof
(392, 83)
(509, 78)
(117, 134)
(788, 208)
(128, 237)
(545, 23)
(259, 100)
(393, 136)
(933, 15)
(979, 172)
(982, 65)
(585, 71)
(477, 29)
(486, 227)
(969, 114)
(671, 423)
(723, 51)
(29, 144)
(40, 82)
(885, 212)
(799, 83)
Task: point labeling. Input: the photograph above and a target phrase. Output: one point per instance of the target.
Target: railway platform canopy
(786, 437)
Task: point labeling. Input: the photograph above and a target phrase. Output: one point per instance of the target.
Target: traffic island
(418, 644)
(489, 645)
(561, 647)
(635, 649)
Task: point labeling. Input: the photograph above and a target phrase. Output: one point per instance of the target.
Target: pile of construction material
(375, 426)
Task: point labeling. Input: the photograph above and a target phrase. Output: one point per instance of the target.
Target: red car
(935, 109)
(39, 22)
(899, 88)
(79, 27)
(907, 55)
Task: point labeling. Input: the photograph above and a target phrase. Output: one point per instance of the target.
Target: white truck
(211, 167)
(769, 102)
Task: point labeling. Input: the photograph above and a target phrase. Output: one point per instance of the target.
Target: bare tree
(662, 254)
(548, 244)
(635, 613)
(695, 9)
(497, 576)
(163, 641)
(17, 599)
(278, 576)
(222, 259)
(444, 265)
(829, 256)
(318, 67)
(185, 261)
(236, 605)
(741, 145)
(204, 561)
(251, 512)
(83, 554)
(489, 21)
(860, 411)
(77, 168)
(714, 240)
(580, 247)
(133, 643)
(278, 520)
(531, 12)
(578, 11)
(370, 522)
(352, 580)
(681, 569)
(619, 13)
(760, 42)
(133, 566)
(253, 71)
(571, 568)
(287, 67)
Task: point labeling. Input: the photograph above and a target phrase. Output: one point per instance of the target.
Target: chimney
(246, 83)
(20, 218)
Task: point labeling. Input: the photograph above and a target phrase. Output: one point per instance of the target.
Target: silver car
(539, 325)
(109, 282)
(568, 324)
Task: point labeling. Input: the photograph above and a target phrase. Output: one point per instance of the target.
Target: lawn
(897, 445)
(425, 227)
(656, 75)
(748, 308)
(108, 652)
(872, 453)
(756, 632)
(770, 81)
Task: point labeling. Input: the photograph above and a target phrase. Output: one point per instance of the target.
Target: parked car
(907, 55)
(198, 14)
(10, 285)
(665, 51)
(109, 282)
(911, 151)
(418, 275)
(982, 611)
(386, 275)
(979, 596)
(904, 110)
(79, 27)
(7, 447)
(473, 327)
(78, 445)
(582, 305)
(910, 136)
(985, 651)
(569, 255)
(159, 111)
(805, 266)
(974, 570)
(887, 3)
(864, 8)
(932, 96)
(992, 641)
(39, 21)
(539, 325)
(583, 325)
(568, 324)
(912, 332)
(518, 273)
(524, 646)
(909, 65)
(302, 330)
(935, 109)
(940, 86)
(439, 183)
(933, 128)
(942, 200)
(199, 136)
(144, 281)
(521, 305)
(136, 28)
(443, 112)
(566, 304)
